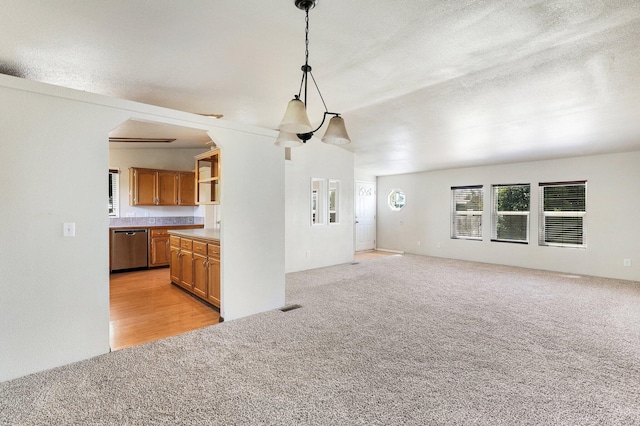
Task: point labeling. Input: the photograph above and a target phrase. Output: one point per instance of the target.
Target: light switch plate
(69, 229)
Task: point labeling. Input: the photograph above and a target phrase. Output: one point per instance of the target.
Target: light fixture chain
(306, 39)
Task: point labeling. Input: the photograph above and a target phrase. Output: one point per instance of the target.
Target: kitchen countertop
(202, 233)
(155, 226)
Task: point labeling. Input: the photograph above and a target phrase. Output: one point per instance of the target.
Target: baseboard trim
(390, 251)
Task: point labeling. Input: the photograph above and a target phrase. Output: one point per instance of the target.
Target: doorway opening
(144, 304)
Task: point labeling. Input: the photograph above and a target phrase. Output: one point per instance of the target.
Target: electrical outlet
(308, 253)
(626, 262)
(418, 243)
(438, 245)
(130, 214)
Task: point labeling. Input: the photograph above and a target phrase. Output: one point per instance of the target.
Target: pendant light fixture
(295, 124)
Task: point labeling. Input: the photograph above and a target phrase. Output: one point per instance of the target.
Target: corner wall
(315, 246)
(54, 292)
(613, 230)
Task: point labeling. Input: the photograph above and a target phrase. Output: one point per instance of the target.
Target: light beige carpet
(392, 341)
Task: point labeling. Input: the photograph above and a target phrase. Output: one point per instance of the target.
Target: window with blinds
(510, 213)
(114, 193)
(466, 212)
(562, 215)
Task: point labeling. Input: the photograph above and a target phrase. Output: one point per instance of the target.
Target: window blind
(114, 193)
(466, 212)
(562, 214)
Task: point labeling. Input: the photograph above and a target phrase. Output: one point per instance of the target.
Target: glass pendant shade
(336, 133)
(287, 140)
(295, 119)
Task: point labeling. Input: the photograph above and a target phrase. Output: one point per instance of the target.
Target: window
(397, 199)
(563, 209)
(466, 212)
(510, 213)
(114, 193)
(317, 201)
(334, 200)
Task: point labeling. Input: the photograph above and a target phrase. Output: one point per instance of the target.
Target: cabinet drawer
(175, 241)
(186, 244)
(159, 233)
(199, 247)
(213, 250)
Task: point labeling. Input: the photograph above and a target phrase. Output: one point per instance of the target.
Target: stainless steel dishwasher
(129, 249)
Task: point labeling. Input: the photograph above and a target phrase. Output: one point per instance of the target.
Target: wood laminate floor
(145, 306)
(371, 254)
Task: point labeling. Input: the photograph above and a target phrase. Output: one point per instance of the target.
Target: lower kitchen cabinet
(175, 266)
(213, 283)
(186, 264)
(159, 253)
(200, 269)
(195, 266)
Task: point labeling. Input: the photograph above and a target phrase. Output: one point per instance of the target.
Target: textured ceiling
(422, 85)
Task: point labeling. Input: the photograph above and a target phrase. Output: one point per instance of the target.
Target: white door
(365, 197)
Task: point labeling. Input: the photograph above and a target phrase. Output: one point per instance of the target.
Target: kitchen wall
(54, 292)
(613, 229)
(314, 246)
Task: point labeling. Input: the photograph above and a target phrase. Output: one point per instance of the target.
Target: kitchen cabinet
(195, 266)
(174, 266)
(208, 177)
(153, 187)
(159, 253)
(186, 189)
(213, 274)
(185, 260)
(200, 269)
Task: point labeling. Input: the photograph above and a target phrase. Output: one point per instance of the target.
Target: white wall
(252, 225)
(164, 159)
(613, 229)
(327, 244)
(54, 293)
(359, 175)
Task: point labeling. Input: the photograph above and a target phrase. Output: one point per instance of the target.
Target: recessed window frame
(396, 199)
(458, 199)
(497, 214)
(317, 202)
(333, 201)
(554, 210)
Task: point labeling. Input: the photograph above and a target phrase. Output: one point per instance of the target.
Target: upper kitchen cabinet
(208, 177)
(152, 187)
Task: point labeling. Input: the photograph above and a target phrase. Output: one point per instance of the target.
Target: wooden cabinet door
(213, 285)
(200, 275)
(186, 189)
(159, 254)
(142, 187)
(167, 188)
(174, 269)
(186, 269)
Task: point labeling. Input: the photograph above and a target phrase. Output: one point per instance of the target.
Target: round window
(397, 199)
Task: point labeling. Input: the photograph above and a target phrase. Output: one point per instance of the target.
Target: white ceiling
(422, 85)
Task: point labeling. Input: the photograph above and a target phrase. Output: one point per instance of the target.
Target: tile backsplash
(156, 221)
